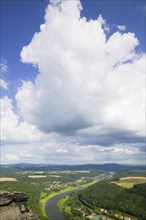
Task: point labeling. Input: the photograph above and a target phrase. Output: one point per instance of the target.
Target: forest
(112, 197)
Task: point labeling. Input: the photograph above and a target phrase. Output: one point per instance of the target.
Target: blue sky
(20, 20)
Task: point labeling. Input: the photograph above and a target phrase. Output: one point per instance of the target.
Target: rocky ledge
(13, 206)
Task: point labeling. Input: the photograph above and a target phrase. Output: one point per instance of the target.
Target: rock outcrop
(13, 206)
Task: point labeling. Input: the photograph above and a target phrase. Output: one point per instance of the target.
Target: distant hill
(105, 167)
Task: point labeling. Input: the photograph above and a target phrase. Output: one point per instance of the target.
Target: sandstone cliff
(13, 206)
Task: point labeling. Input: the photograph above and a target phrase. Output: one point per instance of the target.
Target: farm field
(37, 176)
(5, 179)
(129, 182)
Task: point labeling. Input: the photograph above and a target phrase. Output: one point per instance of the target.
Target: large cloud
(85, 80)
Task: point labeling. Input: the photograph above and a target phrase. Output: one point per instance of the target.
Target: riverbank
(68, 189)
(52, 209)
(53, 194)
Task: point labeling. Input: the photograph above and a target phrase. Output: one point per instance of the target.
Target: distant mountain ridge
(108, 167)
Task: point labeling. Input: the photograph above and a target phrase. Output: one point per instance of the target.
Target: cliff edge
(13, 206)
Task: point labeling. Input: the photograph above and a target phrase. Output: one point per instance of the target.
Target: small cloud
(101, 20)
(3, 70)
(3, 67)
(104, 24)
(121, 27)
(3, 84)
(61, 150)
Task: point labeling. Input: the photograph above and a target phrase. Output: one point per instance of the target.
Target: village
(103, 214)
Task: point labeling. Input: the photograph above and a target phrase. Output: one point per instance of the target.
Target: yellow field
(134, 178)
(129, 182)
(5, 179)
(39, 172)
(35, 176)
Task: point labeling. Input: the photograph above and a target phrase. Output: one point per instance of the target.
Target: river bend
(51, 208)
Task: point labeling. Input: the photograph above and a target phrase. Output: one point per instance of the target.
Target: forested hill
(110, 196)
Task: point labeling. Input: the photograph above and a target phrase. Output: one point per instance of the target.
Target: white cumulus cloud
(3, 84)
(85, 80)
(12, 129)
(121, 27)
(3, 70)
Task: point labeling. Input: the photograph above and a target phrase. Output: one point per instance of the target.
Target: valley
(73, 193)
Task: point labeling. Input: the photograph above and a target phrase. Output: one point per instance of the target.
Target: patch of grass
(67, 210)
(43, 195)
(62, 204)
(56, 176)
(88, 184)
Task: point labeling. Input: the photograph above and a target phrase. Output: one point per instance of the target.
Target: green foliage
(102, 194)
(113, 197)
(139, 189)
(8, 171)
(128, 173)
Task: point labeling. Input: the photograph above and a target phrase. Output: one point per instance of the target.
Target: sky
(73, 81)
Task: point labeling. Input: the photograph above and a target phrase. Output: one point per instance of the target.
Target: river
(51, 208)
